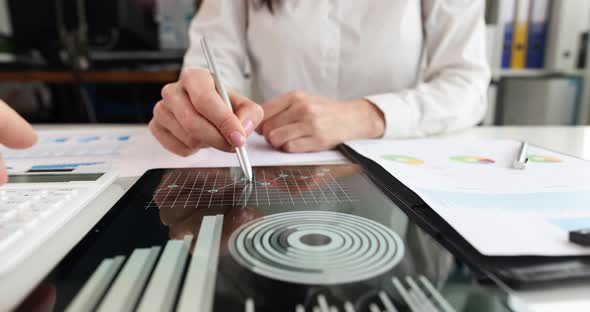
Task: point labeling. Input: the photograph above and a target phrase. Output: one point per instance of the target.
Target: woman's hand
(299, 122)
(192, 115)
(15, 132)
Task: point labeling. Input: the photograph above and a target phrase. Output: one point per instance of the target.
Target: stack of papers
(501, 211)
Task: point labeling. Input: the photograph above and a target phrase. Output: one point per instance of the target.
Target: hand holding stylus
(192, 115)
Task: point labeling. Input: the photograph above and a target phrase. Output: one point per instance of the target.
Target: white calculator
(34, 206)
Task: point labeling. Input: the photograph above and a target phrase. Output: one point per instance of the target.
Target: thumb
(248, 112)
(15, 132)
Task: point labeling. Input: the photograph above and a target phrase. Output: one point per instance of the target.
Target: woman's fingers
(279, 136)
(201, 91)
(193, 112)
(280, 103)
(288, 116)
(303, 145)
(3, 174)
(167, 120)
(168, 140)
(249, 113)
(15, 132)
(198, 129)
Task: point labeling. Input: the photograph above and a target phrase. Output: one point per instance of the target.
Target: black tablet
(297, 238)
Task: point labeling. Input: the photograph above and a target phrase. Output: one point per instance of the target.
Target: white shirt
(422, 62)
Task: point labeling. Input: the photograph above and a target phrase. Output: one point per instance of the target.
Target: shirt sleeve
(224, 23)
(452, 95)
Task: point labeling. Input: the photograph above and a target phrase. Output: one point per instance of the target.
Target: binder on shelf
(506, 22)
(519, 41)
(569, 20)
(537, 37)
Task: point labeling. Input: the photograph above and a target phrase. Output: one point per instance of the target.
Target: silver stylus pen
(522, 157)
(240, 151)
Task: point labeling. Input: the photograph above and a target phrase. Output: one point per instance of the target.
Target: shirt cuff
(400, 118)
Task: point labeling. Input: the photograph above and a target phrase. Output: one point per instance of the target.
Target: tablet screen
(294, 239)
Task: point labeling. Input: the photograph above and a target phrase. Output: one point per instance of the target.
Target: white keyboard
(32, 209)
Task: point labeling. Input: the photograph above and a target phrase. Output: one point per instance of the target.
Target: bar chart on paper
(59, 146)
(71, 150)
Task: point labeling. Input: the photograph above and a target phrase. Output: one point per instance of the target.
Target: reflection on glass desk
(308, 238)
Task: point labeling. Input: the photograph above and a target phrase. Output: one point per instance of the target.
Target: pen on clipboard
(240, 151)
(522, 158)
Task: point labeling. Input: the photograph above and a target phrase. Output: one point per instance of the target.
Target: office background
(105, 61)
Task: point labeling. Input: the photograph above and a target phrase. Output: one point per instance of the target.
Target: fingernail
(248, 126)
(237, 139)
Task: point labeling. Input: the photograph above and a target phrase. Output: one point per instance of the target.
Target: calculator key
(32, 223)
(6, 216)
(11, 204)
(31, 196)
(54, 197)
(42, 210)
(63, 193)
(28, 213)
(55, 204)
(9, 192)
(24, 205)
(8, 235)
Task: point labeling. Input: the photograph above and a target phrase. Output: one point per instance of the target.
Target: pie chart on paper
(466, 159)
(404, 159)
(543, 159)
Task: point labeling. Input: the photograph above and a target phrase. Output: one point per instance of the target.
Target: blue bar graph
(65, 166)
(88, 139)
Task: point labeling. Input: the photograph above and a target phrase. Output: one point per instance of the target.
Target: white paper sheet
(82, 151)
(260, 153)
(134, 152)
(501, 211)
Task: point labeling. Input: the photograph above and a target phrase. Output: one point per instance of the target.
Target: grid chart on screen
(214, 188)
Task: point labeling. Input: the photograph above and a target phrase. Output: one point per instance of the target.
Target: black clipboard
(515, 271)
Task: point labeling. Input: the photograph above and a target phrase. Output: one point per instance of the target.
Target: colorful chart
(88, 139)
(123, 138)
(543, 159)
(404, 159)
(65, 166)
(473, 160)
(52, 140)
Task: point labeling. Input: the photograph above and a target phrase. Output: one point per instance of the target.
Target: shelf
(524, 73)
(115, 76)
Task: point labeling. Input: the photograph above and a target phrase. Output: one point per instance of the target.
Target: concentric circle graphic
(404, 159)
(316, 247)
(473, 160)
